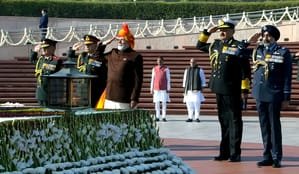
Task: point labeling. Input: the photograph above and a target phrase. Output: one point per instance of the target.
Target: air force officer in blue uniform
(271, 89)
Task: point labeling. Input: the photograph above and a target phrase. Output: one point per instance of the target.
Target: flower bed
(149, 161)
(74, 137)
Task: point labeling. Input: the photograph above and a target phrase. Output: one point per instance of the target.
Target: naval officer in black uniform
(230, 77)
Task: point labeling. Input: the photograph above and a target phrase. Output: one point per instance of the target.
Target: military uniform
(271, 86)
(44, 66)
(230, 75)
(93, 64)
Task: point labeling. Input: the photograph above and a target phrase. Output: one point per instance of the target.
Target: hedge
(131, 10)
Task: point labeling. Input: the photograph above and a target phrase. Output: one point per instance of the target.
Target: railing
(152, 28)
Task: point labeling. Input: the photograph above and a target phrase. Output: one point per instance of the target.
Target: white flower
(124, 171)
(35, 133)
(42, 133)
(84, 131)
(66, 145)
(29, 170)
(138, 135)
(12, 152)
(21, 165)
(68, 172)
(50, 125)
(92, 161)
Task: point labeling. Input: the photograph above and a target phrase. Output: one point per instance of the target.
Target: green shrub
(129, 10)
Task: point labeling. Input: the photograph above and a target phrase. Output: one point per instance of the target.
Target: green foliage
(134, 10)
(74, 137)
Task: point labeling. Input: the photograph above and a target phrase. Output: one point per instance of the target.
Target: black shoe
(234, 159)
(164, 119)
(157, 119)
(220, 158)
(264, 163)
(276, 164)
(189, 120)
(197, 120)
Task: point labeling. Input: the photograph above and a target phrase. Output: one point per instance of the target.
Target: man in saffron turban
(125, 73)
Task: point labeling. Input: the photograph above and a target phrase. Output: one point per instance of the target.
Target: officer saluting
(92, 62)
(271, 89)
(230, 76)
(46, 64)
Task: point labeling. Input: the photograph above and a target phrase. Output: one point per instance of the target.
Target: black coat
(230, 65)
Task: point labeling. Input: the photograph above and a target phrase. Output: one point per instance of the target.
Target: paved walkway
(197, 144)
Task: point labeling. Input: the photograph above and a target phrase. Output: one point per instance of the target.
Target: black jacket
(230, 65)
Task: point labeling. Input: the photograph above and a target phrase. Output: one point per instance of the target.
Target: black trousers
(230, 119)
(269, 117)
(43, 33)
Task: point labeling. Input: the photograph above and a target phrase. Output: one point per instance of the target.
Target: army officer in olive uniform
(47, 63)
(92, 62)
(230, 77)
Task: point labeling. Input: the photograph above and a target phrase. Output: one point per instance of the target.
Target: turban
(272, 30)
(125, 33)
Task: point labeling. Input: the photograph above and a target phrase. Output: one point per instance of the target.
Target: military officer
(230, 77)
(271, 89)
(92, 62)
(47, 63)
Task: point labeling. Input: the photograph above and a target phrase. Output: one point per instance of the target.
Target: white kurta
(160, 95)
(116, 105)
(194, 95)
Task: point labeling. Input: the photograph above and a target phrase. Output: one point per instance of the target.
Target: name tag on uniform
(96, 63)
(276, 59)
(47, 66)
(230, 50)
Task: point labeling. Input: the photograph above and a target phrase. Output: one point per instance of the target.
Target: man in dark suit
(271, 89)
(230, 77)
(43, 24)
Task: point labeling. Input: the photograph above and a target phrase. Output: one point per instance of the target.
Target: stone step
(17, 82)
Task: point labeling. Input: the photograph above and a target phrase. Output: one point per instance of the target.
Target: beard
(266, 43)
(122, 47)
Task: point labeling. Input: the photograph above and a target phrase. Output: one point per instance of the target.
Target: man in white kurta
(193, 83)
(160, 87)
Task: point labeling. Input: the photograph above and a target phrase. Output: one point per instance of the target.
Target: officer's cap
(48, 42)
(272, 30)
(226, 23)
(90, 39)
